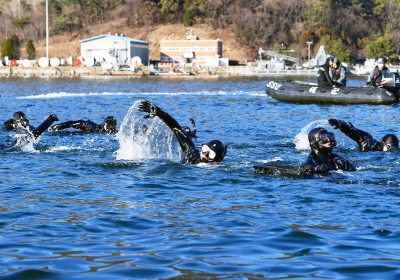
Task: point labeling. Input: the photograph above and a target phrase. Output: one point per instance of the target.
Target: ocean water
(92, 206)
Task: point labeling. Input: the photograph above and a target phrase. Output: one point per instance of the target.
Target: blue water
(77, 206)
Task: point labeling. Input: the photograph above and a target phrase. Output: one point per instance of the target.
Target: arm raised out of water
(36, 133)
(190, 154)
(365, 141)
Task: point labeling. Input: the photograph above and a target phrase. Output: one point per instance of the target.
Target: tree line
(349, 29)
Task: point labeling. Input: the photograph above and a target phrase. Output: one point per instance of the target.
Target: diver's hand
(335, 123)
(148, 107)
(323, 168)
(54, 128)
(53, 117)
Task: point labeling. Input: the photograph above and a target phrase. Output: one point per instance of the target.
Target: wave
(197, 93)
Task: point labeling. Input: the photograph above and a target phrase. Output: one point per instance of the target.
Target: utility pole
(47, 29)
(191, 29)
(309, 43)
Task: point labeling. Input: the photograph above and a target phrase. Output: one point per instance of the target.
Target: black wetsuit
(36, 132)
(9, 126)
(323, 76)
(364, 140)
(324, 162)
(190, 155)
(85, 126)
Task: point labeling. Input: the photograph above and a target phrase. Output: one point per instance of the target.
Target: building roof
(114, 37)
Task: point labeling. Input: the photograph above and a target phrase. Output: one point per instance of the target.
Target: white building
(115, 48)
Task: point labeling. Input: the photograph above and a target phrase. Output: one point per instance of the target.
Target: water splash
(24, 141)
(137, 142)
(301, 139)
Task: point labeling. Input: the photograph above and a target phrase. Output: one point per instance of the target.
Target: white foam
(137, 143)
(198, 93)
(62, 148)
(301, 139)
(271, 160)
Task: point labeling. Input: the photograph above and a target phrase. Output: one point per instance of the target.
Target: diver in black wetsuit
(365, 140)
(28, 130)
(18, 118)
(108, 126)
(213, 151)
(323, 74)
(321, 156)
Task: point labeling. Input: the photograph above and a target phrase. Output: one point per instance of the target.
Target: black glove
(53, 117)
(54, 128)
(323, 168)
(335, 123)
(148, 107)
(307, 170)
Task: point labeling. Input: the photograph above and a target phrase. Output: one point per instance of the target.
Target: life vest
(378, 74)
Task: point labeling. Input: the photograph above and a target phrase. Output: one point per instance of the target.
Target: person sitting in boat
(365, 140)
(109, 126)
(337, 73)
(19, 118)
(323, 77)
(29, 132)
(321, 157)
(213, 151)
(378, 73)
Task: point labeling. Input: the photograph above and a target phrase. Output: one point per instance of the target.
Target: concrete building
(190, 51)
(115, 48)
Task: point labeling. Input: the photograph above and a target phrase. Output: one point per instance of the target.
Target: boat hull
(298, 92)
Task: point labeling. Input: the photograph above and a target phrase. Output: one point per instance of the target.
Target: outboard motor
(391, 82)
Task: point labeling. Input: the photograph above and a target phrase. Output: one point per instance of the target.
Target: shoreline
(96, 71)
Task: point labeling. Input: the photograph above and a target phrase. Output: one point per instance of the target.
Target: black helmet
(391, 142)
(213, 151)
(322, 140)
(110, 124)
(20, 118)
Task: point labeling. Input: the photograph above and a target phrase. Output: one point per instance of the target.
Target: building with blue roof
(115, 48)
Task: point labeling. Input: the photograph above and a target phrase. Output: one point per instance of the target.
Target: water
(122, 207)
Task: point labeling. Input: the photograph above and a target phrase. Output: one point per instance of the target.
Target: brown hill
(62, 46)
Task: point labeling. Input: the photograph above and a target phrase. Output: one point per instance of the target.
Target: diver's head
(19, 118)
(390, 142)
(328, 61)
(110, 124)
(335, 63)
(381, 63)
(213, 151)
(322, 140)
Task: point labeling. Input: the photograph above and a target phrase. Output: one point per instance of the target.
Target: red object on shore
(13, 63)
(77, 62)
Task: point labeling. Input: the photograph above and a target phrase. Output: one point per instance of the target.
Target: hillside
(349, 29)
(62, 46)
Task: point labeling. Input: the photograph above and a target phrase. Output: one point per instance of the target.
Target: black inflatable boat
(301, 92)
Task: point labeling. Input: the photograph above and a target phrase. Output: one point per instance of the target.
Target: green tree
(336, 48)
(6, 49)
(15, 46)
(315, 16)
(188, 16)
(20, 23)
(382, 46)
(30, 50)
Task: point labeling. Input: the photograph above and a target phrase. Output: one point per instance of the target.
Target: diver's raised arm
(44, 125)
(153, 110)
